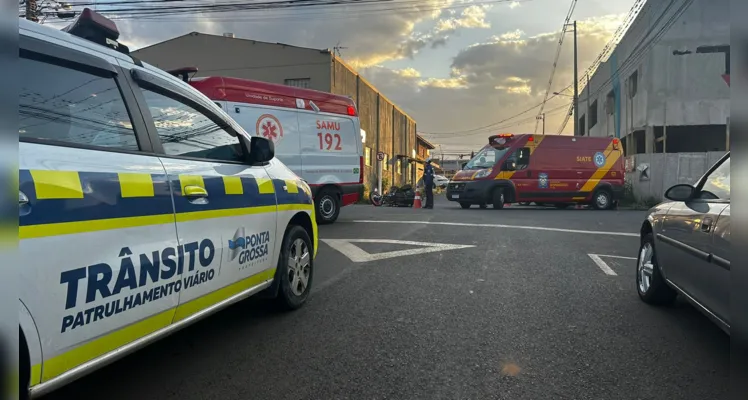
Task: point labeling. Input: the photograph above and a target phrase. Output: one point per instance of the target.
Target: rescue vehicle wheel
(295, 268)
(602, 200)
(327, 205)
(498, 199)
(650, 283)
(465, 205)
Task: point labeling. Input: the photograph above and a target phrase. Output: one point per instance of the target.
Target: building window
(367, 156)
(592, 112)
(610, 103)
(633, 84)
(299, 82)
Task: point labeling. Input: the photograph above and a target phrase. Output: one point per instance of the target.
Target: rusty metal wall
(367, 112)
(388, 129)
(344, 80)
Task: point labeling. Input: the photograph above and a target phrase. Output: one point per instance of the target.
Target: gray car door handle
(22, 198)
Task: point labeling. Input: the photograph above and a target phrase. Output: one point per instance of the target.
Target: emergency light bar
(499, 139)
(96, 28)
(183, 72)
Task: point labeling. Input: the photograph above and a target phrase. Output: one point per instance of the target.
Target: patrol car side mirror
(261, 150)
(510, 165)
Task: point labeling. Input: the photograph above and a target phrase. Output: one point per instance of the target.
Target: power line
(493, 124)
(617, 35)
(561, 36)
(508, 125)
(168, 12)
(641, 48)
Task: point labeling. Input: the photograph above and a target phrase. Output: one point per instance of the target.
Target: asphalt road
(524, 314)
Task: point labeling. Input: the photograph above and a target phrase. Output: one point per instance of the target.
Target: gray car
(685, 246)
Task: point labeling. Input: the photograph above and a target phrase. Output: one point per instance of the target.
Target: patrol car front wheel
(295, 268)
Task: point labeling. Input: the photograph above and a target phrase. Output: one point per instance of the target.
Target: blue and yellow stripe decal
(67, 202)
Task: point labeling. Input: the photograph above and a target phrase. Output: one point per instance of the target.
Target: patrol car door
(97, 234)
(225, 209)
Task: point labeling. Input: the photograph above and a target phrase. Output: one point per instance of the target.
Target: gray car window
(717, 184)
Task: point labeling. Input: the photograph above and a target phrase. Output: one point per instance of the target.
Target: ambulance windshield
(486, 158)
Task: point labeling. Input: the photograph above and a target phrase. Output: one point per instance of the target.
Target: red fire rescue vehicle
(550, 169)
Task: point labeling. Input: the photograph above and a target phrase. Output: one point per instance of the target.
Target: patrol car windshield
(486, 158)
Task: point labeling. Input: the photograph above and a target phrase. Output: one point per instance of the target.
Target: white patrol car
(143, 206)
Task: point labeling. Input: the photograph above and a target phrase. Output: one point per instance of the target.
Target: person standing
(428, 183)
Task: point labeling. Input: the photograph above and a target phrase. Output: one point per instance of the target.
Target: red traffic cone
(417, 199)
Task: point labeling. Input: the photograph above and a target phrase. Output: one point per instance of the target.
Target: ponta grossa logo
(249, 248)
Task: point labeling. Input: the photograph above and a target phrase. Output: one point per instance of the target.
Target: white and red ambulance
(316, 134)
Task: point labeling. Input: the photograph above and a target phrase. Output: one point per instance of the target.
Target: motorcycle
(403, 196)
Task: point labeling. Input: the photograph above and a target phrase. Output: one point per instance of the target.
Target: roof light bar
(183, 72)
(96, 28)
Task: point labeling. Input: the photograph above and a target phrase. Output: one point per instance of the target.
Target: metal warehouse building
(387, 128)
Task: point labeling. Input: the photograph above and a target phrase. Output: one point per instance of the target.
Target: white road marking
(537, 228)
(600, 263)
(357, 254)
(612, 256)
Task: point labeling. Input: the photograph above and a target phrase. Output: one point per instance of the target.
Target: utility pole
(576, 84)
(542, 116)
(586, 125)
(31, 11)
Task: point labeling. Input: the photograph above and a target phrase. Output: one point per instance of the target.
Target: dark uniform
(428, 182)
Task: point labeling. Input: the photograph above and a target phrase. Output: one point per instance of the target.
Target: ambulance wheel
(465, 205)
(602, 200)
(295, 268)
(328, 206)
(498, 199)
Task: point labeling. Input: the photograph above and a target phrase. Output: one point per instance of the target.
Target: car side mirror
(680, 192)
(260, 150)
(510, 165)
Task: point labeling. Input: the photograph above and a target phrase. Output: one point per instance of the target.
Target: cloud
(492, 80)
(371, 35)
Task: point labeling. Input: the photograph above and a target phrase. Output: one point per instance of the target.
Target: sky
(454, 66)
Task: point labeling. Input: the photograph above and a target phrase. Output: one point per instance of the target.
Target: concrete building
(663, 89)
(387, 128)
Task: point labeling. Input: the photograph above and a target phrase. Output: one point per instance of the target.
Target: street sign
(380, 156)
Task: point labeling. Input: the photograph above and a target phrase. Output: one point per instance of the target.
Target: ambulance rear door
(330, 148)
